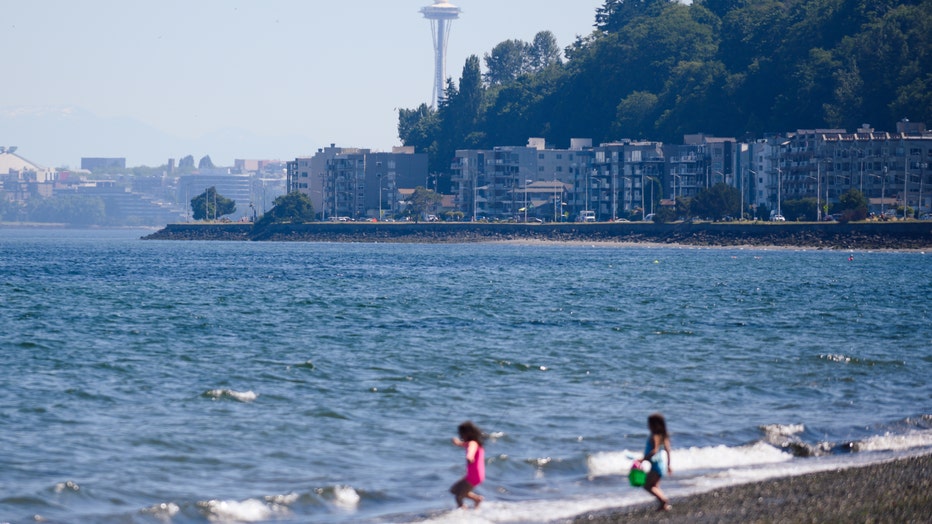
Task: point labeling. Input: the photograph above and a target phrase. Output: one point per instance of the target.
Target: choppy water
(188, 382)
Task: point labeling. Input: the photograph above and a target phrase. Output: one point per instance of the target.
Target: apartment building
(357, 183)
(496, 183)
(633, 173)
(890, 169)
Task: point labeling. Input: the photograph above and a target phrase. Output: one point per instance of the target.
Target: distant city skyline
(235, 79)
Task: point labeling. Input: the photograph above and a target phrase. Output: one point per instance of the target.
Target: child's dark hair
(468, 431)
(657, 425)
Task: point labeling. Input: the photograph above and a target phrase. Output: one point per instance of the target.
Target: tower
(441, 16)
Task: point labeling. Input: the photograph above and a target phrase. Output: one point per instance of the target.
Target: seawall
(860, 235)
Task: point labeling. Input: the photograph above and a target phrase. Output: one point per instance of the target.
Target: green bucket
(637, 477)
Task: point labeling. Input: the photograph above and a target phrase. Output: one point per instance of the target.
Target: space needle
(441, 16)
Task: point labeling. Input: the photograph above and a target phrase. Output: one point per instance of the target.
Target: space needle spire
(441, 16)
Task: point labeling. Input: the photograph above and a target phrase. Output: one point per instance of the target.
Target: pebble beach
(898, 491)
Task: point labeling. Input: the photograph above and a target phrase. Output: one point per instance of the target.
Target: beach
(896, 491)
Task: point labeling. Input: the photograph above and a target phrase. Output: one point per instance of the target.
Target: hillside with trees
(658, 69)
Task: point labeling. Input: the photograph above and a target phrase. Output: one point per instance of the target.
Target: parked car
(777, 218)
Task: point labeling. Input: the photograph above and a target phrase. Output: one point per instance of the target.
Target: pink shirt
(475, 471)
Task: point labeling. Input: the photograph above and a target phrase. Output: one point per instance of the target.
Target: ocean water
(194, 382)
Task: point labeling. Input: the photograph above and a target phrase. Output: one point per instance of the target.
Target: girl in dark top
(657, 451)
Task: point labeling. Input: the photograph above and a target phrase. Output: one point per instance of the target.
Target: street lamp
(526, 182)
(922, 167)
(719, 173)
(905, 178)
(614, 194)
(779, 190)
(818, 191)
(653, 180)
(883, 182)
(554, 199)
(475, 197)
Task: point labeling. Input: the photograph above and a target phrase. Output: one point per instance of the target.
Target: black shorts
(461, 488)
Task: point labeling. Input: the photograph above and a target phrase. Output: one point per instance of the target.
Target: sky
(309, 72)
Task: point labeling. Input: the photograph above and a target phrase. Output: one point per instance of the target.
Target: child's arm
(666, 446)
(472, 447)
(458, 442)
(654, 447)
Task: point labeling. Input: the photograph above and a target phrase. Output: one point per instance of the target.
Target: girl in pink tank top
(470, 438)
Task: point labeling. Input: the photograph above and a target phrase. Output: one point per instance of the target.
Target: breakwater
(861, 235)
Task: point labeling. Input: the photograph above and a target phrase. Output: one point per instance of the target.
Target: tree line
(659, 69)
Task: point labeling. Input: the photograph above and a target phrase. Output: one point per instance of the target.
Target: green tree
(801, 209)
(717, 201)
(852, 205)
(419, 128)
(460, 116)
(422, 201)
(616, 14)
(508, 61)
(211, 205)
(637, 114)
(295, 207)
(665, 215)
(544, 52)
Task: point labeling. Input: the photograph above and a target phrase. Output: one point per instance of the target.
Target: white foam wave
(250, 510)
(537, 510)
(783, 430)
(164, 511)
(241, 396)
(691, 459)
(345, 497)
(896, 442)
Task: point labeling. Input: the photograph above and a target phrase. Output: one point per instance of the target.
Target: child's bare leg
(653, 487)
(664, 501)
(477, 499)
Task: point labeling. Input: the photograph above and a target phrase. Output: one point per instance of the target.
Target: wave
(240, 396)
(691, 460)
(249, 510)
(780, 443)
(894, 442)
(339, 498)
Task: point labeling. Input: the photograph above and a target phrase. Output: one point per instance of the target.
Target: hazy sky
(332, 72)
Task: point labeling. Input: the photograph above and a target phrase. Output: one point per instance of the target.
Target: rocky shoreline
(915, 235)
(899, 491)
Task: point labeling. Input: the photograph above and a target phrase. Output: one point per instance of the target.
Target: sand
(894, 492)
